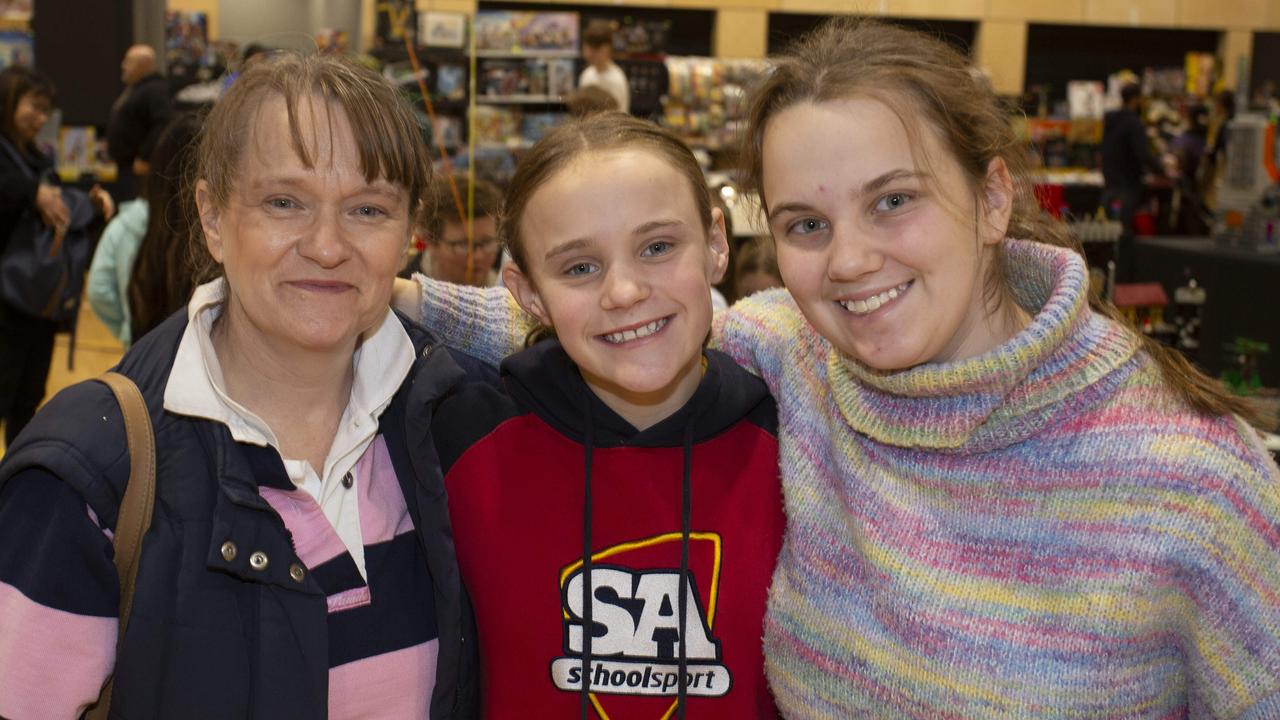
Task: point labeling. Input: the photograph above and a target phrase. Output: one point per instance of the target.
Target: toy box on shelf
(705, 102)
(444, 73)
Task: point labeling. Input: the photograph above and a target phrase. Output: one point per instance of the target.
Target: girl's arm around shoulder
(758, 332)
(484, 322)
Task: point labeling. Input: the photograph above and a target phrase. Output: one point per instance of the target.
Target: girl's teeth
(640, 332)
(875, 302)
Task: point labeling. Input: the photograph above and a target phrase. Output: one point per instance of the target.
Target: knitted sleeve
(483, 322)
(757, 331)
(1227, 559)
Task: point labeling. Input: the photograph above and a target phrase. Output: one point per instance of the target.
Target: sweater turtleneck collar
(1001, 397)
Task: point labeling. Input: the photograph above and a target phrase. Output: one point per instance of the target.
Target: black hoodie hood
(544, 380)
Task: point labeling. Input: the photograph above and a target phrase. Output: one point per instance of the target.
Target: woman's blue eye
(370, 211)
(656, 248)
(281, 203)
(806, 226)
(892, 201)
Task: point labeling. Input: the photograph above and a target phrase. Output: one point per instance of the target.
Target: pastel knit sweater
(1043, 531)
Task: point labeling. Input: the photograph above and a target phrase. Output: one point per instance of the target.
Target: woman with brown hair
(29, 185)
(1001, 502)
(299, 561)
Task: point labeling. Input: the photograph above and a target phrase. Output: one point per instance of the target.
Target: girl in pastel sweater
(1001, 503)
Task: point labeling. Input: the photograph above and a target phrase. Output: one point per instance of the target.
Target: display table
(1243, 294)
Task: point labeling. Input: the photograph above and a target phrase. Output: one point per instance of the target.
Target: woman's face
(884, 257)
(31, 115)
(309, 253)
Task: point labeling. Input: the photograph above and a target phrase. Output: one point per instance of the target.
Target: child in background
(601, 70)
(441, 232)
(616, 448)
(1001, 502)
(755, 268)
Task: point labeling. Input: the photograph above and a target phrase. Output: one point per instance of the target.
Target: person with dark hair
(138, 116)
(449, 252)
(163, 274)
(755, 268)
(1002, 501)
(141, 270)
(1126, 159)
(299, 561)
(28, 183)
(601, 70)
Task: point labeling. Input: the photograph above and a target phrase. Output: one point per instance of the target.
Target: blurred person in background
(138, 116)
(441, 232)
(28, 183)
(601, 70)
(141, 272)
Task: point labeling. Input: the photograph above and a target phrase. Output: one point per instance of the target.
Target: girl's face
(620, 266)
(31, 115)
(885, 258)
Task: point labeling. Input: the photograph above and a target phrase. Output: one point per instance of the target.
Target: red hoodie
(519, 461)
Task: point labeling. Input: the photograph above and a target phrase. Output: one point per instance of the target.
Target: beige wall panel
(960, 9)
(1238, 14)
(208, 7)
(845, 7)
(1231, 46)
(1273, 15)
(1000, 50)
(741, 33)
(1150, 13)
(1052, 11)
(467, 7)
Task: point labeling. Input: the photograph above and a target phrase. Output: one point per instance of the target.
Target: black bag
(41, 274)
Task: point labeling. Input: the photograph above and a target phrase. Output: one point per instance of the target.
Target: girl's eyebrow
(568, 246)
(876, 184)
(657, 225)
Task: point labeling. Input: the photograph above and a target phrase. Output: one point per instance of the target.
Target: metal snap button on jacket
(229, 551)
(296, 572)
(258, 560)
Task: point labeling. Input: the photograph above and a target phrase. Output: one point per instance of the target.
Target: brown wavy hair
(161, 280)
(932, 86)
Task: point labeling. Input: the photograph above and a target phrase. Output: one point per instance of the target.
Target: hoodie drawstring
(686, 523)
(584, 699)
(686, 513)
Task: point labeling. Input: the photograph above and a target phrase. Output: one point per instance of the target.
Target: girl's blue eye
(656, 248)
(806, 226)
(892, 201)
(579, 269)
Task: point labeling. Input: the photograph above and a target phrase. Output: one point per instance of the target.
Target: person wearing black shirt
(138, 116)
(1126, 157)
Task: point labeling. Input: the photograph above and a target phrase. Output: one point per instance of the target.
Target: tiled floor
(96, 352)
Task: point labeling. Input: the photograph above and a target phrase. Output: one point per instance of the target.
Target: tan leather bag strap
(134, 517)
